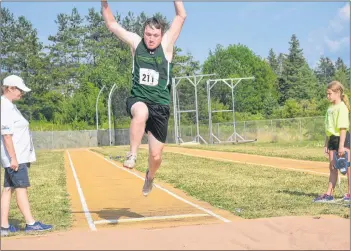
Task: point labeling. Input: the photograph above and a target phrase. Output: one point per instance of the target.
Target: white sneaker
(130, 160)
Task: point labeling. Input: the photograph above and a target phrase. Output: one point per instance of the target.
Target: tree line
(67, 74)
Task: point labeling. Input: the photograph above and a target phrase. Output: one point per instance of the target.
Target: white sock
(31, 224)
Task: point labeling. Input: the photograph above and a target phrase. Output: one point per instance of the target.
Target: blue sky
(323, 28)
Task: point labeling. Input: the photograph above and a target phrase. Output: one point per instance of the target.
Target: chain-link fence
(275, 130)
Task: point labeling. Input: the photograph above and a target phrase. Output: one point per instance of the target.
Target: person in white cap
(17, 152)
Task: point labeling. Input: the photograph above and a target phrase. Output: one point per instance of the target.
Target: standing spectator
(17, 152)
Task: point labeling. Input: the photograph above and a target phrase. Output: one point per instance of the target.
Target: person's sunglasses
(21, 91)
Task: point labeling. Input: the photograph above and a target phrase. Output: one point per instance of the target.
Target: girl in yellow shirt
(337, 123)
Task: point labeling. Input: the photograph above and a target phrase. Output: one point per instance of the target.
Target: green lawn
(299, 150)
(249, 191)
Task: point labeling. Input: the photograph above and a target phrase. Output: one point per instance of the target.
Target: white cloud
(335, 45)
(332, 38)
(335, 25)
(344, 12)
(341, 18)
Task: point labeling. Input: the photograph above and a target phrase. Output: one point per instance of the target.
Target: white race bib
(148, 77)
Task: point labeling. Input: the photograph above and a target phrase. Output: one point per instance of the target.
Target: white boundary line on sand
(81, 196)
(167, 191)
(180, 216)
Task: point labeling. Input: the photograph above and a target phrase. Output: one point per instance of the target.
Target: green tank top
(151, 75)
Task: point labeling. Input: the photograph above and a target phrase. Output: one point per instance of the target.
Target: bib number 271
(148, 77)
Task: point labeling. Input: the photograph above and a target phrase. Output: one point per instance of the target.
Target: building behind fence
(275, 130)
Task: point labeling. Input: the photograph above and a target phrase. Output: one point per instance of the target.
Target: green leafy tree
(325, 70)
(239, 61)
(273, 61)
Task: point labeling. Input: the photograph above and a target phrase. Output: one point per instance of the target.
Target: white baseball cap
(14, 80)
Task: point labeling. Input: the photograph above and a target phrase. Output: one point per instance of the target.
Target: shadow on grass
(298, 193)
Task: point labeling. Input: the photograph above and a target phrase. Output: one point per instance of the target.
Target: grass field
(249, 191)
(48, 195)
(304, 150)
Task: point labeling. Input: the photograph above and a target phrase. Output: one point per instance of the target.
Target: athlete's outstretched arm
(132, 39)
(172, 34)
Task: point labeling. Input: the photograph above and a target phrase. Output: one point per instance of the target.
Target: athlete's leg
(139, 113)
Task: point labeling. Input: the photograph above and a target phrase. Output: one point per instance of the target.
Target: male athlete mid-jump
(148, 104)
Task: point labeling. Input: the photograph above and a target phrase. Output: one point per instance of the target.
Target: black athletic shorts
(157, 122)
(333, 143)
